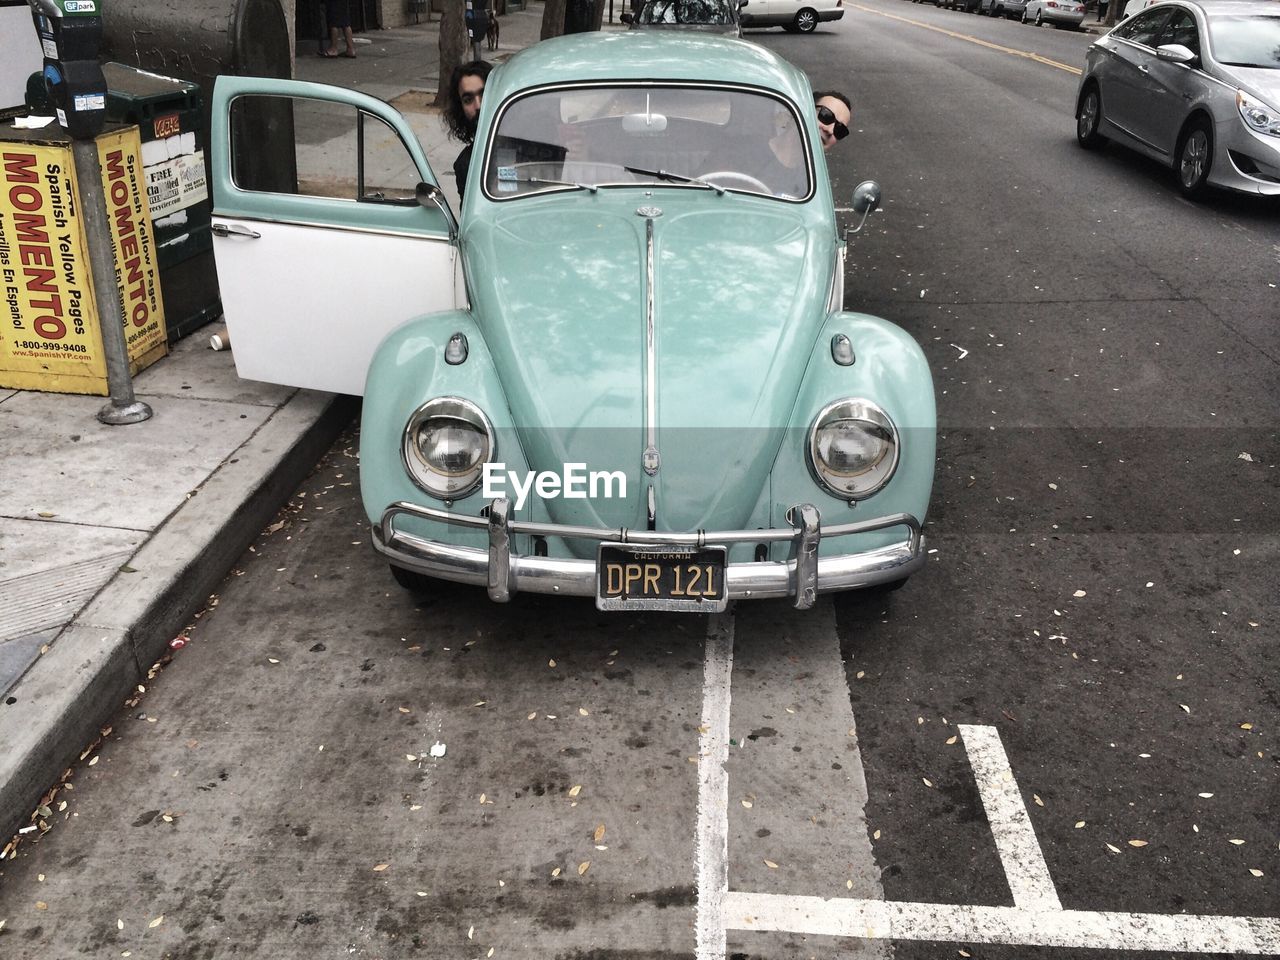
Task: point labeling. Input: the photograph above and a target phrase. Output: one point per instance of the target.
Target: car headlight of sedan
(853, 448)
(446, 444)
(1257, 115)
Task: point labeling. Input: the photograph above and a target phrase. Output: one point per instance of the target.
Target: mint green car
(624, 370)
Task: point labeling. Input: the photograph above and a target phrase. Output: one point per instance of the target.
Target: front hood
(740, 288)
(1264, 84)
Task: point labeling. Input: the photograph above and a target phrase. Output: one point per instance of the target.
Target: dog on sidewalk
(491, 33)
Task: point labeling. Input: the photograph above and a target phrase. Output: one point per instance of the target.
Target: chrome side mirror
(430, 196)
(866, 199)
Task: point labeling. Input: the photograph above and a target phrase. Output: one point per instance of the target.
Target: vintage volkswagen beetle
(632, 377)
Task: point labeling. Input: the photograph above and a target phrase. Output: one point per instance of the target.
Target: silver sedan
(1194, 84)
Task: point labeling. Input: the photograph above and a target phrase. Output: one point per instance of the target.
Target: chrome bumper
(503, 573)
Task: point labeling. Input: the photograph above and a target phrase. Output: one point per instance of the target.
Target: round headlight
(853, 448)
(446, 444)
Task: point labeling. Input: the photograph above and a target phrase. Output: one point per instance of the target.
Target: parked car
(1003, 8)
(1192, 84)
(968, 6)
(1061, 13)
(626, 373)
(794, 16)
(711, 16)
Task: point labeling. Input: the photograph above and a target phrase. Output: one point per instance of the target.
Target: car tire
(1024, 16)
(1089, 118)
(1039, 18)
(1195, 158)
(806, 20)
(416, 583)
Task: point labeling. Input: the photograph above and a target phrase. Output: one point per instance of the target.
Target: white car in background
(1061, 13)
(794, 16)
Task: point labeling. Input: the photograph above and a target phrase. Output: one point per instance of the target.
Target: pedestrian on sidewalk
(337, 13)
(462, 112)
(1102, 10)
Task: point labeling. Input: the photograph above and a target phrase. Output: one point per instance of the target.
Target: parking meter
(477, 20)
(71, 35)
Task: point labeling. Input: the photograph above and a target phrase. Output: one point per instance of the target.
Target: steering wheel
(736, 176)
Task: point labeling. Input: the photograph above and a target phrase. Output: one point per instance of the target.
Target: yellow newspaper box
(50, 335)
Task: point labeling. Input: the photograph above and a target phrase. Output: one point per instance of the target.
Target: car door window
(1144, 28)
(318, 148)
(1180, 28)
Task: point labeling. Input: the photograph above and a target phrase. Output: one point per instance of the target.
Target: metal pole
(123, 407)
(475, 49)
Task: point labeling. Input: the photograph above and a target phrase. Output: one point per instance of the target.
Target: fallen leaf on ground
(598, 836)
(771, 865)
(747, 804)
(1113, 849)
(380, 867)
(555, 872)
(1255, 871)
(470, 932)
(951, 740)
(1036, 798)
(927, 781)
(1079, 824)
(575, 790)
(1237, 842)
(582, 712)
(1137, 843)
(156, 922)
(1206, 796)
(583, 867)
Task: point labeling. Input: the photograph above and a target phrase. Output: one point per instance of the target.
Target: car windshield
(1246, 41)
(686, 11)
(699, 138)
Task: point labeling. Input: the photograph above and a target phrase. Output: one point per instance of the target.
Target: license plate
(638, 577)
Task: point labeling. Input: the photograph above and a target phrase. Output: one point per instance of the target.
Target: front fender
(889, 369)
(409, 369)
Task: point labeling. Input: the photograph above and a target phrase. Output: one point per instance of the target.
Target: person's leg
(351, 45)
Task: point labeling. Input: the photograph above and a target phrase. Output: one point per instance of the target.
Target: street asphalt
(112, 538)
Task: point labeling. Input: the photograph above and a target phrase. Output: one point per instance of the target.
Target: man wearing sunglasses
(834, 113)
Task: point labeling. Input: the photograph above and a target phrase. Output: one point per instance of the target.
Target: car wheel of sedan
(1024, 16)
(413, 581)
(1195, 158)
(1088, 118)
(1039, 18)
(806, 20)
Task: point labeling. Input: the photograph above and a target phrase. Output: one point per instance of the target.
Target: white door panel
(335, 300)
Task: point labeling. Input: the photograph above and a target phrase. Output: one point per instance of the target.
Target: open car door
(321, 246)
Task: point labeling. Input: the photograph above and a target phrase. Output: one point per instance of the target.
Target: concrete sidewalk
(113, 538)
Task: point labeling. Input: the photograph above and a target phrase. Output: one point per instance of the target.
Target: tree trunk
(552, 19)
(1113, 8)
(454, 46)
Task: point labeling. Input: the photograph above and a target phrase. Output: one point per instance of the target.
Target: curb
(99, 658)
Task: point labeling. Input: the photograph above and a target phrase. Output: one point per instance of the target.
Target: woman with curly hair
(466, 90)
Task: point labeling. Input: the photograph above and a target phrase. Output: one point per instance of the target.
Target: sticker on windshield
(507, 173)
(507, 186)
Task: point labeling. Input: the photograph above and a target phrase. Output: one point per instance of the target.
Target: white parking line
(880, 919)
(1020, 853)
(713, 789)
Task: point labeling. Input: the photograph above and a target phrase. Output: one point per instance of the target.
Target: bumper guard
(504, 573)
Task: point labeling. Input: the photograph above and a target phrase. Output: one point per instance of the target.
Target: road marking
(972, 39)
(1020, 852)
(1082, 929)
(713, 789)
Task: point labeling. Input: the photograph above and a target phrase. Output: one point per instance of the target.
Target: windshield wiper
(555, 183)
(675, 178)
